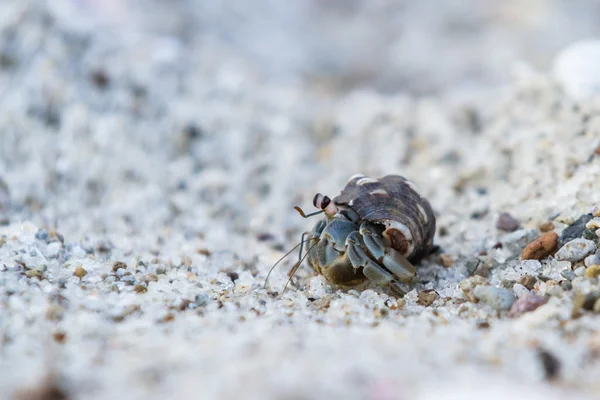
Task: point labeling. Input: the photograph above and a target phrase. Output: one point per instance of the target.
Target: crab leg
(359, 258)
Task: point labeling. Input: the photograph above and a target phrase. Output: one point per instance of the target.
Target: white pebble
(582, 285)
(576, 68)
(244, 282)
(78, 252)
(53, 249)
(575, 250)
(318, 287)
(579, 271)
(593, 223)
(520, 290)
(593, 259)
(531, 267)
(497, 298)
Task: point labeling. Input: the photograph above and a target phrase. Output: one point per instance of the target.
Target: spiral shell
(393, 202)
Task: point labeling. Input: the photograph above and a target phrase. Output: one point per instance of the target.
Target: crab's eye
(320, 201)
(317, 200)
(324, 203)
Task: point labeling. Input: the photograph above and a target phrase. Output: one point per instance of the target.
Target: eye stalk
(324, 203)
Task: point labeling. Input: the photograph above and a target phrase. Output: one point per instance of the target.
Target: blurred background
(391, 45)
(135, 112)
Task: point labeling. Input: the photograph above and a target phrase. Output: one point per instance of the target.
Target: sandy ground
(151, 155)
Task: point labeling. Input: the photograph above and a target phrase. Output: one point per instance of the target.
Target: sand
(151, 156)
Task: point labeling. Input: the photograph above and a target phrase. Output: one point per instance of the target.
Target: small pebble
(201, 299)
(575, 230)
(41, 235)
(149, 278)
(565, 219)
(589, 234)
(519, 290)
(140, 289)
(33, 273)
(575, 250)
(567, 273)
(528, 281)
(469, 284)
(80, 272)
(592, 260)
(593, 224)
(426, 297)
(59, 337)
(498, 298)
(447, 260)
(579, 271)
(507, 222)
(483, 269)
(525, 304)
(53, 249)
(546, 226)
(507, 283)
(593, 271)
(118, 265)
(472, 265)
(543, 278)
(541, 247)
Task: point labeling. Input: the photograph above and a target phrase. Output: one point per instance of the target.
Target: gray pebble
(593, 259)
(575, 250)
(507, 283)
(507, 222)
(201, 300)
(589, 234)
(498, 298)
(42, 234)
(568, 273)
(472, 265)
(575, 230)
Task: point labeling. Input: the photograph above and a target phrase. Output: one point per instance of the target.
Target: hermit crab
(374, 231)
